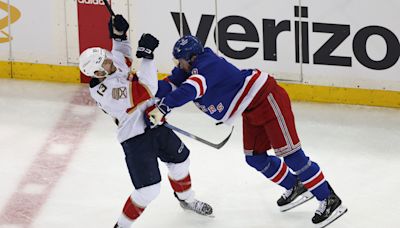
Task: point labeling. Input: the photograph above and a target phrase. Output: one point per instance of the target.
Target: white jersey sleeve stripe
(199, 83)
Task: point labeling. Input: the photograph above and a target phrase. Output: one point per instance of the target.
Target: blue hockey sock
(273, 168)
(309, 173)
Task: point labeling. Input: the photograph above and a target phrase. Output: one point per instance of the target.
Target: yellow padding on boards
(46, 72)
(162, 76)
(5, 69)
(297, 92)
(326, 94)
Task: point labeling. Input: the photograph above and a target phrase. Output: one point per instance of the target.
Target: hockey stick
(215, 145)
(109, 8)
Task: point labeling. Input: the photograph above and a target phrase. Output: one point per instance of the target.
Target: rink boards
(328, 52)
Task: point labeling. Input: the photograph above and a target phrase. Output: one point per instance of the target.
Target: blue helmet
(186, 47)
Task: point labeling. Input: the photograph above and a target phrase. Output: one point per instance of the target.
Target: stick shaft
(190, 135)
(109, 8)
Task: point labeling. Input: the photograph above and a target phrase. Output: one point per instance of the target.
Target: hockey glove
(147, 44)
(155, 114)
(117, 27)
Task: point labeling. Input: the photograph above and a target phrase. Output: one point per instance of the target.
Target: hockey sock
(273, 168)
(309, 173)
(182, 187)
(136, 203)
(130, 213)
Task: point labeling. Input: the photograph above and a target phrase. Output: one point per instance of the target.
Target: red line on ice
(48, 168)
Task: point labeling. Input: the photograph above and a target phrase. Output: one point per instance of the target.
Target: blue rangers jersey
(217, 87)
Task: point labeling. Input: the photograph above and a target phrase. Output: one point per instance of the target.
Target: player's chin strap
(102, 76)
(215, 145)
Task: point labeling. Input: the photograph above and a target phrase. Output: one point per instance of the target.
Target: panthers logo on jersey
(119, 93)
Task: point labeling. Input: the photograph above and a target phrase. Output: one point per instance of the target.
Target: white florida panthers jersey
(125, 95)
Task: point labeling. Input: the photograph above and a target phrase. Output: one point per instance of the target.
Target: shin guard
(273, 168)
(309, 173)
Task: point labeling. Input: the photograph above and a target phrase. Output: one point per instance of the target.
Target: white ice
(357, 147)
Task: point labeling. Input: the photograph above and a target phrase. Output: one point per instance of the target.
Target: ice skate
(294, 197)
(329, 210)
(196, 206)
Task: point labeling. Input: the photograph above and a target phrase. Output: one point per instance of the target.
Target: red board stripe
(93, 27)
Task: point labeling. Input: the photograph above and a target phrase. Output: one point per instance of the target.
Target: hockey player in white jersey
(125, 95)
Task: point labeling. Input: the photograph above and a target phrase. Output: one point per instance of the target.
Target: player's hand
(155, 114)
(154, 117)
(147, 44)
(117, 27)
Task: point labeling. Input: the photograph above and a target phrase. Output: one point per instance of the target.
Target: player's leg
(176, 156)
(141, 159)
(257, 119)
(313, 179)
(286, 144)
(136, 204)
(256, 144)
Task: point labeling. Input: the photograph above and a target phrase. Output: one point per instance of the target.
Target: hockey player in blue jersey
(224, 92)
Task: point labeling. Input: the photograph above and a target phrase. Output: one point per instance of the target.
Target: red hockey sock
(181, 185)
(132, 210)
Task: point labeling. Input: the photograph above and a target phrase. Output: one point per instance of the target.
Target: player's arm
(192, 88)
(142, 85)
(118, 27)
(147, 72)
(171, 83)
(123, 47)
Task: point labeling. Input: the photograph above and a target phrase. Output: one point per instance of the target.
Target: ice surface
(61, 165)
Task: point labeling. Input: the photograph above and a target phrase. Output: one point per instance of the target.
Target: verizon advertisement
(330, 43)
(335, 43)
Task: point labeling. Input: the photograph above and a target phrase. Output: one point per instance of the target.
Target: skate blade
(300, 200)
(195, 213)
(335, 215)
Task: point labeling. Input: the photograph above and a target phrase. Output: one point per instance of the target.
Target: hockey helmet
(186, 47)
(91, 60)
